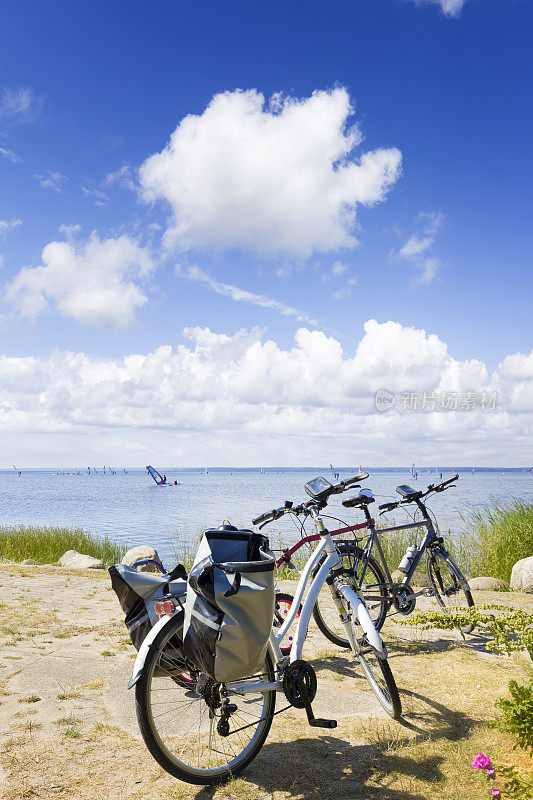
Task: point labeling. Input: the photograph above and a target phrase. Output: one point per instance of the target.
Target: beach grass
(46, 544)
(497, 536)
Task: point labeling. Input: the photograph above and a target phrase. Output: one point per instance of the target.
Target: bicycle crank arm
(314, 722)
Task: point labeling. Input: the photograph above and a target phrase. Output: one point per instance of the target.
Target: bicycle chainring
(298, 673)
(400, 602)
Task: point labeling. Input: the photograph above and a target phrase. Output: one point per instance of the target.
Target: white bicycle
(205, 732)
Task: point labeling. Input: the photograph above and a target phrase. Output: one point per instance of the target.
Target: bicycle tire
(377, 671)
(164, 648)
(458, 584)
(283, 601)
(391, 701)
(354, 554)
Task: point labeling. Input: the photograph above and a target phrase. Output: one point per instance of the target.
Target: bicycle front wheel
(180, 714)
(380, 677)
(449, 584)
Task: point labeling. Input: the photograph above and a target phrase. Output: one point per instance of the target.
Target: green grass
(47, 544)
(497, 536)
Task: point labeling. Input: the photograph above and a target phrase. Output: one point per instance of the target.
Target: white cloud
(10, 155)
(122, 177)
(339, 268)
(19, 105)
(342, 294)
(95, 282)
(451, 8)
(241, 399)
(276, 177)
(7, 225)
(100, 198)
(242, 295)
(416, 248)
(51, 180)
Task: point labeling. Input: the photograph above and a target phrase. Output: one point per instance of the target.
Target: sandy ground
(68, 723)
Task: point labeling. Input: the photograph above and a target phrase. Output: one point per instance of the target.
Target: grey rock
(29, 561)
(419, 579)
(76, 560)
(137, 554)
(522, 575)
(487, 584)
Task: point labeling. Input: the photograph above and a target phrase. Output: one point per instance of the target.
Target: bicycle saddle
(357, 500)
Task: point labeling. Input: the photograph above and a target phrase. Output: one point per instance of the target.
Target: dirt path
(69, 730)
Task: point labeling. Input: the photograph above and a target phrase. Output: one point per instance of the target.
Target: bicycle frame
(374, 539)
(352, 598)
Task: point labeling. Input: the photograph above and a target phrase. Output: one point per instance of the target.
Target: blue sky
(88, 93)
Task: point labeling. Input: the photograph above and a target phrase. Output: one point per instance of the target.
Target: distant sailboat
(18, 471)
(335, 474)
(473, 470)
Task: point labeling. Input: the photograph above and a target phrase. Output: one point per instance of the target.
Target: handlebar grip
(387, 506)
(361, 476)
(263, 517)
(443, 485)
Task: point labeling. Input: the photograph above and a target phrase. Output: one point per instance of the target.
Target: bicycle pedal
(323, 723)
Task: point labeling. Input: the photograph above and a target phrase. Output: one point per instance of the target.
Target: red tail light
(165, 608)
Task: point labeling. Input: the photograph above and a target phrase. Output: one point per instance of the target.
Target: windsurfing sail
(335, 474)
(18, 471)
(155, 475)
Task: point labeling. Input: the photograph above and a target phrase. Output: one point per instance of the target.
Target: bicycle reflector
(165, 607)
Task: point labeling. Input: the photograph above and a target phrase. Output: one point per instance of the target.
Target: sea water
(128, 506)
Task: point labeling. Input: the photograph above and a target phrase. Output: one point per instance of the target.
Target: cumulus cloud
(451, 8)
(95, 282)
(242, 295)
(51, 179)
(274, 177)
(416, 249)
(7, 225)
(259, 400)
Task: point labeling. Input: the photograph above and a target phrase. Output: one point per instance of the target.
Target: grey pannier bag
(229, 607)
(139, 592)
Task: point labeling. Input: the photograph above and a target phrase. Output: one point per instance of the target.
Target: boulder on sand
(138, 554)
(522, 575)
(487, 584)
(418, 579)
(76, 560)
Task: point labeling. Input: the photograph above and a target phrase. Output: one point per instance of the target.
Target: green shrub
(517, 713)
(511, 629)
(47, 544)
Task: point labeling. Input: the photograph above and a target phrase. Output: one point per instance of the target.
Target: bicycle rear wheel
(324, 612)
(283, 603)
(181, 719)
(449, 584)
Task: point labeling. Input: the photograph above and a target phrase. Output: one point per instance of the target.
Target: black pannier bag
(230, 603)
(138, 592)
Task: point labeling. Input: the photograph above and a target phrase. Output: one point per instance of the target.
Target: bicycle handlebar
(305, 508)
(440, 487)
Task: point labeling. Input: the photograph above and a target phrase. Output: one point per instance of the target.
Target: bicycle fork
(356, 606)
